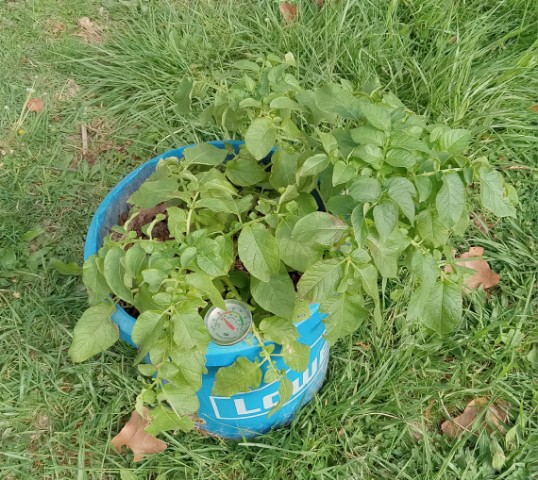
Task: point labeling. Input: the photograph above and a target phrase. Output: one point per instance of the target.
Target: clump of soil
(145, 217)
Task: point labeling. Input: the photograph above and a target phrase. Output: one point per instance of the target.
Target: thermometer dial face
(229, 326)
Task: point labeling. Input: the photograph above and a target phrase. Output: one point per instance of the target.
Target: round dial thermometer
(229, 326)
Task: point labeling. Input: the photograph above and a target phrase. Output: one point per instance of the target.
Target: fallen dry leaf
(534, 108)
(289, 12)
(484, 275)
(493, 419)
(133, 436)
(89, 30)
(58, 27)
(35, 104)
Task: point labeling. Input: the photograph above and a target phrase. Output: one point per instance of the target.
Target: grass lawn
(472, 64)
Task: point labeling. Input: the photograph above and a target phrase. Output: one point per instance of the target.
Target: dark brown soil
(145, 217)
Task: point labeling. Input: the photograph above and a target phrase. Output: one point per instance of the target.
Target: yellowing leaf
(133, 436)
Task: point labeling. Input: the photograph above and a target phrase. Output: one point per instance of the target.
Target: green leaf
(385, 218)
(258, 251)
(368, 135)
(187, 256)
(341, 205)
(284, 168)
(177, 222)
(401, 190)
(398, 157)
(153, 192)
(386, 253)
(433, 231)
(245, 172)
(250, 102)
(190, 367)
(319, 228)
(455, 141)
(218, 205)
(314, 165)
(329, 142)
(492, 194)
(346, 314)
(242, 376)
(127, 475)
(405, 140)
(190, 331)
(183, 96)
(154, 277)
(320, 280)
(182, 398)
(365, 189)
(94, 332)
(114, 273)
(308, 99)
(134, 259)
(32, 234)
(144, 300)
(334, 99)
(377, 115)
(443, 310)
(342, 173)
(285, 391)
(145, 327)
(297, 255)
(424, 188)
(285, 103)
(276, 296)
(296, 355)
(359, 225)
(64, 268)
(204, 154)
(370, 154)
(279, 330)
(260, 138)
(204, 284)
(211, 259)
(165, 419)
(368, 275)
(215, 184)
(450, 200)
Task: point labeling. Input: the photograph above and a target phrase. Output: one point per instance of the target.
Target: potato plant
(333, 192)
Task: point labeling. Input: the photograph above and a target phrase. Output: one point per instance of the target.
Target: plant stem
(191, 210)
(231, 287)
(429, 174)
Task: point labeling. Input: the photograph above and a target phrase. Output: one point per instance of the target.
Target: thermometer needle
(229, 324)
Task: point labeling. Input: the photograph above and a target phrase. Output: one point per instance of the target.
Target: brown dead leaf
(493, 419)
(58, 27)
(534, 108)
(133, 436)
(89, 31)
(484, 275)
(35, 104)
(289, 12)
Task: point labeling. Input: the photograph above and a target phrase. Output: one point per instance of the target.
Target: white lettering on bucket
(242, 409)
(248, 406)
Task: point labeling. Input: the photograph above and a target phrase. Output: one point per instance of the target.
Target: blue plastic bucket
(244, 415)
